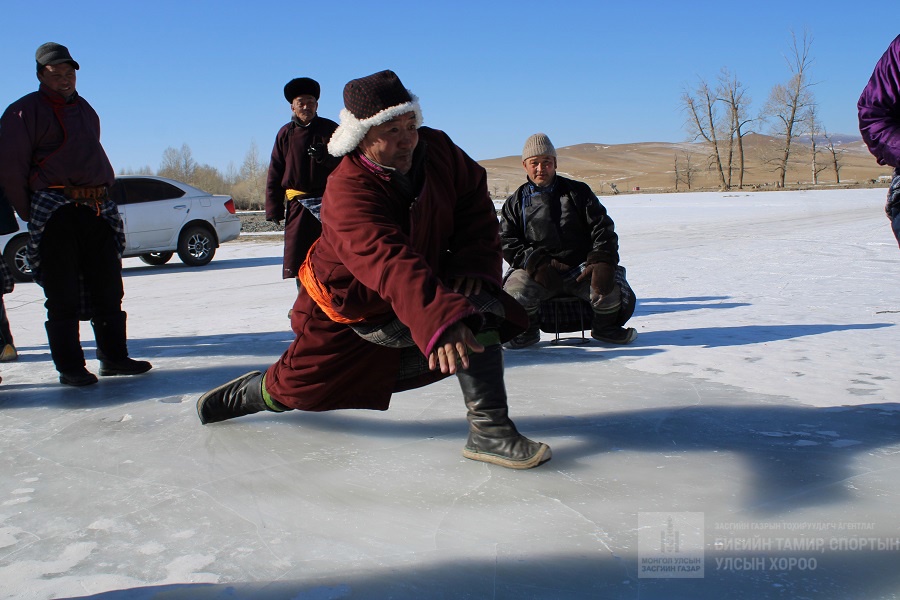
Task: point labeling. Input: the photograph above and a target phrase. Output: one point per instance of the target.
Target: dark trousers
(79, 246)
(5, 333)
(301, 229)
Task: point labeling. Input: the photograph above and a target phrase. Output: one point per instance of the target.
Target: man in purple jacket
(57, 177)
(879, 123)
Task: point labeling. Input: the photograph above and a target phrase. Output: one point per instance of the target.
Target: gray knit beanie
(538, 145)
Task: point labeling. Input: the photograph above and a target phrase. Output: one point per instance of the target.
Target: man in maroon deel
(57, 176)
(298, 169)
(402, 288)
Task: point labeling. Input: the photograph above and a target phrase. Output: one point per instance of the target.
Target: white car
(161, 216)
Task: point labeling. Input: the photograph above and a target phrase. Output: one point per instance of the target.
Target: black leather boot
(239, 397)
(112, 347)
(493, 438)
(66, 352)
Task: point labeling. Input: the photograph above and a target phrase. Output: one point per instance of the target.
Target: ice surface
(761, 395)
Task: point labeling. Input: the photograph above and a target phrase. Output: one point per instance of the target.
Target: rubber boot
(605, 328)
(606, 325)
(493, 438)
(112, 347)
(66, 352)
(239, 397)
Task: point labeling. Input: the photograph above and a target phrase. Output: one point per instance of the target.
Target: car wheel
(15, 257)
(156, 258)
(196, 246)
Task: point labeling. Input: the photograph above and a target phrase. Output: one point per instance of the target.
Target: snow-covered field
(752, 430)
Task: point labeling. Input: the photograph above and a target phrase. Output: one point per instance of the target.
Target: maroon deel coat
(379, 258)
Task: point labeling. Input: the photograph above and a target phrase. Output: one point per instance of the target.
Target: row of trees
(246, 185)
(719, 114)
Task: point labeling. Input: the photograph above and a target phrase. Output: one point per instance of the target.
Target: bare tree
(677, 174)
(209, 179)
(813, 128)
(685, 169)
(145, 170)
(834, 153)
(788, 103)
(704, 122)
(178, 164)
(231, 174)
(734, 95)
(249, 190)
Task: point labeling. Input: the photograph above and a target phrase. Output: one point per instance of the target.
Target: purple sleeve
(879, 109)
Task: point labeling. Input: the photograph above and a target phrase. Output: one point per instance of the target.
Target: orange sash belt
(93, 194)
(318, 293)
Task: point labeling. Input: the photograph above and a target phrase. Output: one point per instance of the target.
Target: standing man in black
(57, 177)
(298, 170)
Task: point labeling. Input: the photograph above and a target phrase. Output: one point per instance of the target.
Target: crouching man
(403, 286)
(559, 241)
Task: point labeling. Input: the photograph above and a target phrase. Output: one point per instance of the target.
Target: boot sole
(632, 335)
(117, 372)
(541, 456)
(77, 382)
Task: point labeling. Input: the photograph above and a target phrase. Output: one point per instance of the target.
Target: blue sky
(489, 73)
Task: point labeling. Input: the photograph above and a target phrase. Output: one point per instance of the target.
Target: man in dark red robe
(403, 287)
(298, 170)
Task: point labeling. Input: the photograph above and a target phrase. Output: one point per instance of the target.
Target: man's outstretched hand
(453, 348)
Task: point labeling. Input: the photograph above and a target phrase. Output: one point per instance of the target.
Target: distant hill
(650, 166)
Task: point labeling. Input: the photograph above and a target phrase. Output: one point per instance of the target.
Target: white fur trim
(351, 131)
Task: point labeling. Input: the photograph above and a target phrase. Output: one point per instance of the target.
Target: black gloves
(318, 151)
(549, 274)
(605, 294)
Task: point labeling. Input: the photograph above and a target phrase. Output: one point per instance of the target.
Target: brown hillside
(650, 166)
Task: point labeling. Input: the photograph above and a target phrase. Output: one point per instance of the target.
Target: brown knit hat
(538, 145)
(371, 101)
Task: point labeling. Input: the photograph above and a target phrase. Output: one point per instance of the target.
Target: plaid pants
(892, 206)
(395, 334)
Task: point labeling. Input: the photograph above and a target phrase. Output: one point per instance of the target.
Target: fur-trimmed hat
(299, 86)
(371, 101)
(52, 53)
(538, 145)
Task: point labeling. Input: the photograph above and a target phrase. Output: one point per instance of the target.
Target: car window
(135, 191)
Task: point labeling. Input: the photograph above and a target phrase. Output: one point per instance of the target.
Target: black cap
(52, 53)
(300, 86)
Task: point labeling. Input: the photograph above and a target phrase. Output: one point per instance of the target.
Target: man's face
(304, 108)
(59, 78)
(541, 169)
(391, 144)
